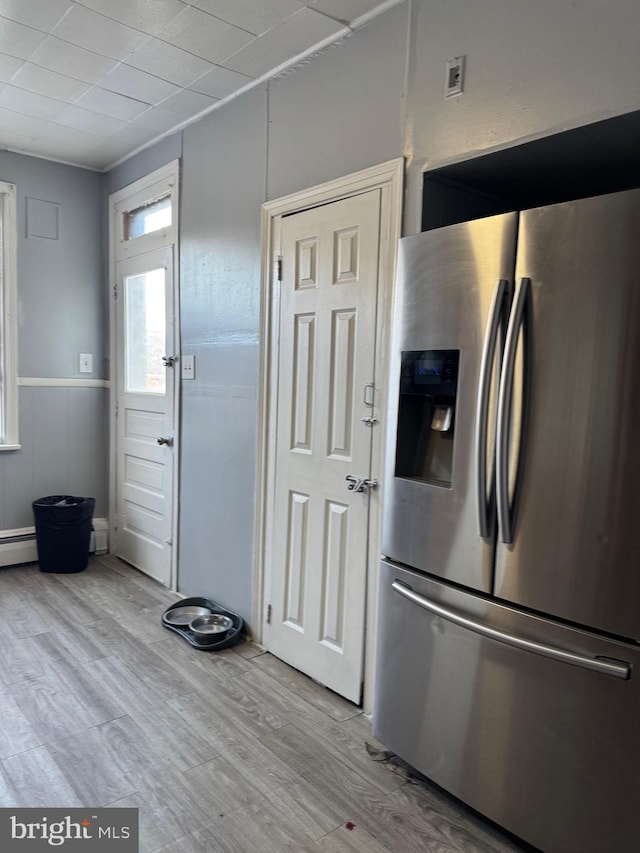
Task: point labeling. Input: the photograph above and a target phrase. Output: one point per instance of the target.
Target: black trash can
(63, 531)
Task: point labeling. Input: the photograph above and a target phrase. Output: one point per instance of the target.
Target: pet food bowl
(183, 616)
(210, 627)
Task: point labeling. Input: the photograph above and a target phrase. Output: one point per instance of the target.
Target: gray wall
(223, 178)
(332, 116)
(532, 69)
(62, 312)
(340, 112)
(163, 152)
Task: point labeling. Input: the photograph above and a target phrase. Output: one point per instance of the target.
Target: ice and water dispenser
(426, 415)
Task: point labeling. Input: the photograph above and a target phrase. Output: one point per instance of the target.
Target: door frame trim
(387, 177)
(162, 180)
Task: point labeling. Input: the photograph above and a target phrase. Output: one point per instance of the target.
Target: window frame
(158, 185)
(9, 320)
(129, 215)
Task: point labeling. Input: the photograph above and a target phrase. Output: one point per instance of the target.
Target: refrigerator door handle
(505, 399)
(482, 410)
(604, 666)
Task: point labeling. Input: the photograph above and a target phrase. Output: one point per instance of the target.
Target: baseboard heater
(19, 546)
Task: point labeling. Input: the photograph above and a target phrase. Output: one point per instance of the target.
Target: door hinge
(268, 614)
(115, 291)
(279, 268)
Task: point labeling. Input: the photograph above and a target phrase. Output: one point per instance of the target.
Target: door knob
(166, 440)
(359, 484)
(169, 360)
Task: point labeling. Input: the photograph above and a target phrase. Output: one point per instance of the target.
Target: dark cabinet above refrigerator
(586, 161)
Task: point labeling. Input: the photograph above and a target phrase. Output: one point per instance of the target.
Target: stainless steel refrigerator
(508, 665)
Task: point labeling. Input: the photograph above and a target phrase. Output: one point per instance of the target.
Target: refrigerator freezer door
(447, 280)
(576, 536)
(545, 746)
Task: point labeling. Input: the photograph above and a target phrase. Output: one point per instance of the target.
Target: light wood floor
(228, 751)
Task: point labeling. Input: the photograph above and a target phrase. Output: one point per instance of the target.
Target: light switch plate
(188, 363)
(86, 362)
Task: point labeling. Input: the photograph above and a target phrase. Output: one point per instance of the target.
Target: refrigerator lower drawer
(532, 723)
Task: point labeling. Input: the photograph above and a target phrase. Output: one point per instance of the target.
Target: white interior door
(145, 396)
(330, 262)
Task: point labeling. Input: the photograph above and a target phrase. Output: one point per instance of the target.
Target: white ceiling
(90, 81)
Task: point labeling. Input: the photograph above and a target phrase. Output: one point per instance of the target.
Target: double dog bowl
(203, 623)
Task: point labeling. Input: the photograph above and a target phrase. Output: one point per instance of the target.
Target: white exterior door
(146, 387)
(328, 297)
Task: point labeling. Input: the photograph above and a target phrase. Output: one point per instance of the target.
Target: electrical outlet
(188, 363)
(86, 362)
(454, 79)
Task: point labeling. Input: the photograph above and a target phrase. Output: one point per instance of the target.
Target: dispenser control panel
(429, 372)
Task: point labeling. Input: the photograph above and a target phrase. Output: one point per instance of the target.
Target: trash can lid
(60, 500)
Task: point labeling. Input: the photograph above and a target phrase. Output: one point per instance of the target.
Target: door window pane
(147, 218)
(145, 332)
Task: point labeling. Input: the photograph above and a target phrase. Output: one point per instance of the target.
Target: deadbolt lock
(369, 420)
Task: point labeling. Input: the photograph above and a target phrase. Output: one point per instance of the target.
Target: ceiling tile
(45, 138)
(89, 121)
(134, 83)
(8, 67)
(94, 159)
(18, 40)
(204, 35)
(118, 145)
(66, 151)
(344, 10)
(131, 137)
(255, 17)
(168, 62)
(19, 123)
(35, 13)
(108, 152)
(73, 61)
(295, 35)
(18, 141)
(87, 29)
(220, 82)
(29, 103)
(157, 119)
(57, 132)
(46, 82)
(186, 104)
(111, 104)
(110, 76)
(146, 15)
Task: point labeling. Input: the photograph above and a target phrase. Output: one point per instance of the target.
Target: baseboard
(19, 545)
